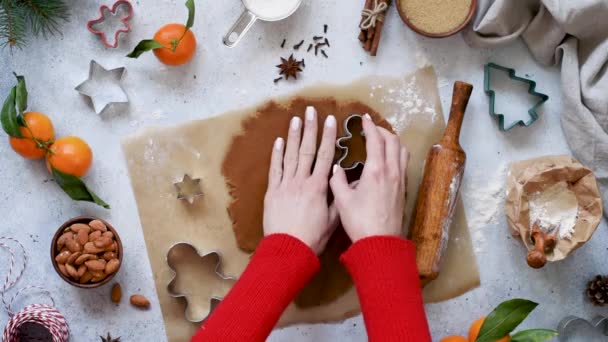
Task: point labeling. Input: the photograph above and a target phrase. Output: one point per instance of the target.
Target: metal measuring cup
(259, 9)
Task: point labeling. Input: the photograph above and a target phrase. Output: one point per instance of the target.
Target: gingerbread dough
(159, 157)
(246, 170)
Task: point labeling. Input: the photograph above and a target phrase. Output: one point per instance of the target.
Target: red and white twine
(44, 315)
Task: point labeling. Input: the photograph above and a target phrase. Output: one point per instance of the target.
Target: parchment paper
(158, 157)
(531, 176)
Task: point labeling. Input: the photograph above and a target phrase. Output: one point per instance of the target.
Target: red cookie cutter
(102, 18)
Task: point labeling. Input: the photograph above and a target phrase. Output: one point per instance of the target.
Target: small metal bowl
(85, 220)
(461, 27)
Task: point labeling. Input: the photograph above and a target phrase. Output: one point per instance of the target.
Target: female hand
(296, 199)
(375, 205)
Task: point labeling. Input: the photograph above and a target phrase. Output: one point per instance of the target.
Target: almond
(112, 266)
(140, 301)
(109, 256)
(81, 270)
(72, 271)
(62, 257)
(98, 279)
(84, 257)
(98, 225)
(86, 277)
(73, 257)
(63, 270)
(97, 274)
(90, 248)
(116, 293)
(63, 238)
(82, 237)
(77, 227)
(73, 246)
(96, 265)
(103, 242)
(108, 234)
(112, 248)
(94, 235)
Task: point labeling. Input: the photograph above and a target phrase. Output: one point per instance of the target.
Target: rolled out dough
(246, 170)
(158, 157)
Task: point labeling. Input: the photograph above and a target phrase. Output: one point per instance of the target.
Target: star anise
(109, 339)
(290, 67)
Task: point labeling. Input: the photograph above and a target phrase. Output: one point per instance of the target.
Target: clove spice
(297, 46)
(309, 48)
(325, 28)
(324, 54)
(276, 80)
(283, 43)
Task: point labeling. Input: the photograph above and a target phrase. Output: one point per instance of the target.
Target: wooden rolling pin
(438, 191)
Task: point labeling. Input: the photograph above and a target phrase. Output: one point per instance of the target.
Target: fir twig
(45, 16)
(41, 17)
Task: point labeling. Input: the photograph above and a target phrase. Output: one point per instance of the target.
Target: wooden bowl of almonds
(86, 252)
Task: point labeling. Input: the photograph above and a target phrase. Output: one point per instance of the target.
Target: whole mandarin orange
(454, 339)
(476, 327)
(168, 35)
(70, 155)
(39, 130)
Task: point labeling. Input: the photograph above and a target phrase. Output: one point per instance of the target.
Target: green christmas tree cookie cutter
(531, 90)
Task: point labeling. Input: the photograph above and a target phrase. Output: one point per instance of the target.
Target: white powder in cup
(272, 9)
(555, 208)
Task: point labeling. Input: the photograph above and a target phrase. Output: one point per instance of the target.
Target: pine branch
(13, 24)
(45, 15)
(40, 16)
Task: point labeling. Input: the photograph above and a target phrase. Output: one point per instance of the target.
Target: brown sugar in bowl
(422, 31)
(54, 252)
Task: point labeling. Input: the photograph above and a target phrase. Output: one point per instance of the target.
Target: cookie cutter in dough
(341, 143)
(103, 87)
(180, 251)
(575, 329)
(531, 90)
(122, 8)
(188, 189)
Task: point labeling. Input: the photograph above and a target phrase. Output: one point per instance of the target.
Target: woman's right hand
(375, 205)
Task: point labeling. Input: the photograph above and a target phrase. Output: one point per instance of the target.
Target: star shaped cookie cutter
(181, 251)
(352, 124)
(189, 188)
(100, 80)
(575, 329)
(531, 90)
(122, 6)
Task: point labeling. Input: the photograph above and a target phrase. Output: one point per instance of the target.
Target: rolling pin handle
(460, 100)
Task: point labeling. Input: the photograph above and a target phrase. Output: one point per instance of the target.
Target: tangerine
(39, 131)
(168, 36)
(70, 155)
(454, 339)
(476, 327)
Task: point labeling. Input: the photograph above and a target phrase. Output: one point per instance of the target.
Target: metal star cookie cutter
(351, 123)
(179, 252)
(103, 87)
(121, 8)
(531, 90)
(575, 329)
(189, 188)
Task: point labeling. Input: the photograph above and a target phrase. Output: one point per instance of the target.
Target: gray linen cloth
(570, 33)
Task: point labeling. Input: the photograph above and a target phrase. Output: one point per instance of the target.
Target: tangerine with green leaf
(179, 44)
(454, 339)
(38, 134)
(476, 327)
(70, 155)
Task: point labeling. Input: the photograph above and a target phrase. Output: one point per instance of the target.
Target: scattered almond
(140, 301)
(77, 227)
(62, 257)
(116, 293)
(112, 266)
(73, 257)
(103, 242)
(98, 225)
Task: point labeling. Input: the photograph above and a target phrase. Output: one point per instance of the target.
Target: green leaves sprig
(152, 44)
(12, 121)
(506, 317)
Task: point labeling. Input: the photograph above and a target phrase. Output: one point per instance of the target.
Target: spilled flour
(555, 209)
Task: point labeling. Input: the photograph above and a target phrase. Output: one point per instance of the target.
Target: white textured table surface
(220, 79)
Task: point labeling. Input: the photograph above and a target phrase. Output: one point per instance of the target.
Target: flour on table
(555, 209)
(403, 102)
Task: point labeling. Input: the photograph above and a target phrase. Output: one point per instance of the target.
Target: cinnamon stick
(364, 36)
(378, 30)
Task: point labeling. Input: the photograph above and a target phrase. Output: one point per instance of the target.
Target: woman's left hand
(296, 199)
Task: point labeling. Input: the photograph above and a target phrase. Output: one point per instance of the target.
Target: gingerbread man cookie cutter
(575, 329)
(184, 252)
(353, 129)
(123, 7)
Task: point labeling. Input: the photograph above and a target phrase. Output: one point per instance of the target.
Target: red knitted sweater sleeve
(385, 275)
(279, 269)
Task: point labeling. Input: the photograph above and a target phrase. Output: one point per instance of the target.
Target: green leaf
(21, 95)
(8, 116)
(144, 46)
(191, 12)
(504, 319)
(76, 189)
(534, 335)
